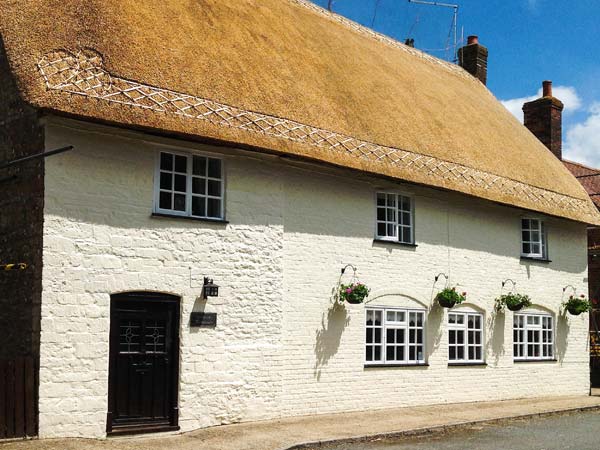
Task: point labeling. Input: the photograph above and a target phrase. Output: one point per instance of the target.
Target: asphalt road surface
(580, 431)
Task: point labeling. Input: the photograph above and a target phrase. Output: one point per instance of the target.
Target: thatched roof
(282, 76)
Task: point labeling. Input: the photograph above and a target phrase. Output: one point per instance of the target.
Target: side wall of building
(21, 217)
(281, 347)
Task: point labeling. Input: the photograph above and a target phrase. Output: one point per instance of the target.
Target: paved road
(579, 431)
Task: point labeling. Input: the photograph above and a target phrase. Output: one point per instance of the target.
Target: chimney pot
(473, 57)
(547, 88)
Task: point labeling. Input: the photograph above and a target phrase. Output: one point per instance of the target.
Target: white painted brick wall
(279, 349)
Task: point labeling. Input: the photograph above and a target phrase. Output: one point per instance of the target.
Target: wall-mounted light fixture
(210, 289)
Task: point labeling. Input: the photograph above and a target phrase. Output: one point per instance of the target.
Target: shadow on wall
(435, 316)
(329, 335)
(562, 335)
(495, 343)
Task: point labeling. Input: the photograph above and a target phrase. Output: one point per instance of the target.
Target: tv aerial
(453, 26)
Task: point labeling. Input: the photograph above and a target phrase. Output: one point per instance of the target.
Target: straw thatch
(283, 76)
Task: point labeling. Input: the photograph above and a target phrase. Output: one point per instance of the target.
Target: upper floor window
(189, 185)
(465, 337)
(533, 337)
(395, 336)
(533, 239)
(395, 218)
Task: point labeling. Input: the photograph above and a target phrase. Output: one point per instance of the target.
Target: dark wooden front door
(144, 362)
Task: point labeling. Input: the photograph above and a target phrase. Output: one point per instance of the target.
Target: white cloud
(566, 94)
(582, 142)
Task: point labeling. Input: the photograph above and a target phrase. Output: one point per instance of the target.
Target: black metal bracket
(36, 156)
(513, 282)
(441, 274)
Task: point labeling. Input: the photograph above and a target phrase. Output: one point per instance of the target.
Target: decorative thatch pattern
(83, 74)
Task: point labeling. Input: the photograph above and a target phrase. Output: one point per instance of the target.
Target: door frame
(154, 297)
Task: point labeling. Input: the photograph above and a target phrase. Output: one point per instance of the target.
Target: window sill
(533, 258)
(198, 219)
(519, 361)
(467, 364)
(380, 366)
(400, 244)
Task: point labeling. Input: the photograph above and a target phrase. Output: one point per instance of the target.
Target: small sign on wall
(203, 320)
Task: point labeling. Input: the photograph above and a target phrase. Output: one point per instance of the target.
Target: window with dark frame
(395, 221)
(395, 336)
(189, 185)
(533, 239)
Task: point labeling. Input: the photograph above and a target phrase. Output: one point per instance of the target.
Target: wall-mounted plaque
(203, 320)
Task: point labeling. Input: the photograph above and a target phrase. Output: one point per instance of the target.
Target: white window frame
(401, 325)
(397, 221)
(542, 242)
(467, 340)
(544, 342)
(189, 178)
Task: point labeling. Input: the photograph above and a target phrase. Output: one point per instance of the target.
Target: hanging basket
(354, 293)
(577, 305)
(516, 307)
(449, 297)
(513, 301)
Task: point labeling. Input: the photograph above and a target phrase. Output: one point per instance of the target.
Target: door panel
(144, 359)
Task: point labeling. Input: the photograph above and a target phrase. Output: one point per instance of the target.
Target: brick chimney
(543, 117)
(473, 57)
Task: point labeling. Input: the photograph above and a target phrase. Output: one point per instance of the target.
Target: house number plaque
(203, 320)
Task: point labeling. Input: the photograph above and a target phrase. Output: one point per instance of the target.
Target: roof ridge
(383, 38)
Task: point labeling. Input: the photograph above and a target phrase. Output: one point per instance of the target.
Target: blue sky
(528, 41)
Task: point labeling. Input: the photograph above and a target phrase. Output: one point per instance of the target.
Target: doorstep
(306, 431)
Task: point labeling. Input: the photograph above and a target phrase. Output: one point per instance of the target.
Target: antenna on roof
(330, 5)
(453, 26)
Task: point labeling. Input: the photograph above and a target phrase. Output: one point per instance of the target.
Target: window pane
(165, 201)
(526, 248)
(199, 167)
(198, 186)
(391, 215)
(369, 317)
(400, 338)
(406, 203)
(452, 336)
(369, 353)
(380, 199)
(391, 200)
(166, 181)
(199, 206)
(179, 202)
(391, 316)
(390, 353)
(460, 352)
(535, 236)
(180, 163)
(377, 353)
(214, 168)
(377, 318)
(166, 161)
(378, 335)
(406, 237)
(391, 230)
(180, 183)
(452, 354)
(369, 335)
(405, 218)
(381, 229)
(381, 213)
(390, 336)
(214, 188)
(214, 207)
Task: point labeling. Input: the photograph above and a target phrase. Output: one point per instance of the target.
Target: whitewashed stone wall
(280, 348)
